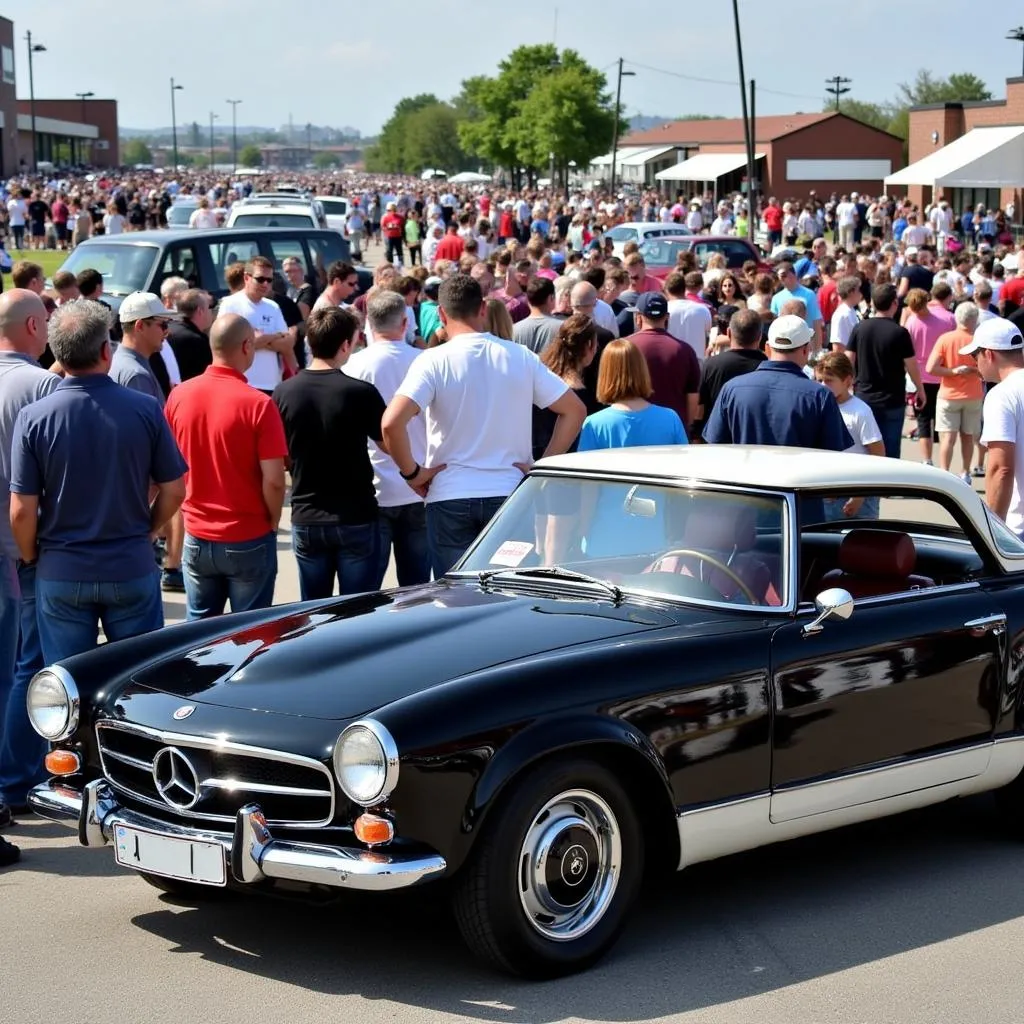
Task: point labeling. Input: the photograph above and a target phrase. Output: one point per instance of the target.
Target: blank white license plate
(158, 854)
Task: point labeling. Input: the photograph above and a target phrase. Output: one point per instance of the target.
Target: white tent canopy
(983, 158)
(621, 155)
(644, 156)
(469, 178)
(706, 167)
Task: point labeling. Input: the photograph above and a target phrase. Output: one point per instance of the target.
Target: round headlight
(52, 703)
(366, 762)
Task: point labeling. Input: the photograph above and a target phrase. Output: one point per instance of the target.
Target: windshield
(125, 268)
(1007, 541)
(699, 546)
(622, 234)
(273, 220)
(658, 252)
(178, 215)
(335, 207)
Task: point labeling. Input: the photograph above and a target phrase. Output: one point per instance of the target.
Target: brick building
(936, 126)
(796, 154)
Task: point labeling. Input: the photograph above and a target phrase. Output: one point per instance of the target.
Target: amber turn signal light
(62, 762)
(374, 830)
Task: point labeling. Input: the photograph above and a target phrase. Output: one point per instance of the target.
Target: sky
(331, 67)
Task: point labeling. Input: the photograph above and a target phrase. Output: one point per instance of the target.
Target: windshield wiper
(556, 572)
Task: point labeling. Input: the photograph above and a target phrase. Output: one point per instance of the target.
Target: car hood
(342, 659)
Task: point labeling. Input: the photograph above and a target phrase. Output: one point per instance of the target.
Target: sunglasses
(262, 280)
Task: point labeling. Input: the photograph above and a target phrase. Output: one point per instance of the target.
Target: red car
(660, 253)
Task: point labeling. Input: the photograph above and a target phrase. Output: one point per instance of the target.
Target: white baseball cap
(142, 306)
(997, 335)
(789, 332)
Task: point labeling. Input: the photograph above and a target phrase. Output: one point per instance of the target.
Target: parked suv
(142, 260)
(285, 212)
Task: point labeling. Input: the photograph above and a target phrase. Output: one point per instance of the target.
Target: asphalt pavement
(912, 920)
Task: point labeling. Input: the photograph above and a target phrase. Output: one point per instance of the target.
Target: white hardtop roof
(781, 469)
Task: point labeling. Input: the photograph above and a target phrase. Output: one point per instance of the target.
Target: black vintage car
(650, 658)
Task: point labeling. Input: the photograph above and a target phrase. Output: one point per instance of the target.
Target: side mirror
(832, 605)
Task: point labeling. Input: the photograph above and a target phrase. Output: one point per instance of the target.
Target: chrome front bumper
(253, 854)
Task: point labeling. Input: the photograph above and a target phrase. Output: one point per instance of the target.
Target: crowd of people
(500, 328)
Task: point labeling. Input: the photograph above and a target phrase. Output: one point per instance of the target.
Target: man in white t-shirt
(941, 220)
(845, 318)
(203, 217)
(402, 519)
(846, 222)
(274, 341)
(998, 347)
(478, 393)
(688, 321)
(17, 215)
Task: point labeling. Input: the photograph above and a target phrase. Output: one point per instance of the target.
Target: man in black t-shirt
(913, 275)
(328, 418)
(883, 355)
(743, 355)
(38, 211)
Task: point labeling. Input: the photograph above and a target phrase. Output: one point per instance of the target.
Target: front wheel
(551, 883)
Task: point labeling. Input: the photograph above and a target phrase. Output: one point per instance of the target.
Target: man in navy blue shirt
(82, 459)
(777, 404)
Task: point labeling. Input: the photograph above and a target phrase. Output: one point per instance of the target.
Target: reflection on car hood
(349, 657)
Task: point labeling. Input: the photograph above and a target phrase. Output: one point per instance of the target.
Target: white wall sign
(837, 170)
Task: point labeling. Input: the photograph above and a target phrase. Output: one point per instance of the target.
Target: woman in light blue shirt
(624, 385)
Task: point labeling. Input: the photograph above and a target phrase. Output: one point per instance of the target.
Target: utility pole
(747, 127)
(1017, 36)
(309, 142)
(838, 86)
(33, 48)
(212, 116)
(618, 110)
(234, 135)
(174, 124)
(752, 189)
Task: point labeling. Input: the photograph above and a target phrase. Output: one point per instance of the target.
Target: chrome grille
(294, 791)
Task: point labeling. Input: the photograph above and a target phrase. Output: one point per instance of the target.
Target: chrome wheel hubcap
(569, 865)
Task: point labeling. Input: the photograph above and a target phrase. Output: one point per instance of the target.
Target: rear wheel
(555, 874)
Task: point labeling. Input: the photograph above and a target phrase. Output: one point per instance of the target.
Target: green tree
(389, 152)
(322, 161)
(136, 151)
(432, 140)
(250, 156)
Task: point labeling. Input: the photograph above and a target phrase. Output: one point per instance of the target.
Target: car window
(125, 268)
(1007, 542)
(691, 545)
(657, 253)
(736, 254)
(235, 250)
(179, 261)
(622, 234)
(324, 250)
(283, 248)
(335, 207)
(179, 214)
(274, 220)
(879, 542)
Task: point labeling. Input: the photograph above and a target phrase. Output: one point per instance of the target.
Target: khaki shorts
(958, 416)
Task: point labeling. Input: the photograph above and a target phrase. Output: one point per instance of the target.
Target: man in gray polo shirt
(144, 320)
(22, 381)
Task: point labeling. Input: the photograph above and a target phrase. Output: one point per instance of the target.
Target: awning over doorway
(984, 157)
(706, 167)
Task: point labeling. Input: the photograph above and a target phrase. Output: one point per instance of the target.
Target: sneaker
(172, 581)
(978, 472)
(966, 477)
(9, 854)
(927, 462)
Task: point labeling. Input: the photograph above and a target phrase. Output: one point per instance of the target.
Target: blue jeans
(453, 525)
(71, 611)
(890, 424)
(323, 553)
(834, 509)
(216, 571)
(22, 749)
(405, 527)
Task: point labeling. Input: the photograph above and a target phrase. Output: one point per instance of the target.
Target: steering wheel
(711, 560)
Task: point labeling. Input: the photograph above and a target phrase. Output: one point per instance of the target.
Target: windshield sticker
(511, 553)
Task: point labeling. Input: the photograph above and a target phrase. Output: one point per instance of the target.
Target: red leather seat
(729, 534)
(876, 562)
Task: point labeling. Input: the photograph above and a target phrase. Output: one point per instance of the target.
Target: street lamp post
(234, 135)
(1017, 35)
(83, 96)
(174, 124)
(751, 214)
(33, 48)
(618, 108)
(212, 116)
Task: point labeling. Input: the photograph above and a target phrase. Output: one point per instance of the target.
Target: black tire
(1009, 801)
(189, 891)
(488, 894)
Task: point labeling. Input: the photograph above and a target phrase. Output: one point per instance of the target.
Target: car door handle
(995, 624)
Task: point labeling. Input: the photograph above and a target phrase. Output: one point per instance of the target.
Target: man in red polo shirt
(451, 246)
(393, 227)
(233, 439)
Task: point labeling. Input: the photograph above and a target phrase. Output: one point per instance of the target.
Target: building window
(8, 65)
(970, 198)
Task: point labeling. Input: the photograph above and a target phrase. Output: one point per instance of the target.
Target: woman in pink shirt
(927, 320)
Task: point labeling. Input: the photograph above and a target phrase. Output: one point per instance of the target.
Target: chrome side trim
(216, 744)
(995, 624)
(263, 787)
(706, 833)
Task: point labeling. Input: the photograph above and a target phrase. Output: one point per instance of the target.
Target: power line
(720, 81)
(838, 86)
